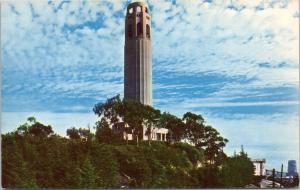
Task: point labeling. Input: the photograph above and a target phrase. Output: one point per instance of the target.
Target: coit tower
(137, 59)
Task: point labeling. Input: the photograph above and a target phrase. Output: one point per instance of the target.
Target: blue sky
(234, 62)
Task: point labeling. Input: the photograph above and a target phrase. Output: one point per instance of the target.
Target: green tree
(104, 134)
(73, 133)
(174, 124)
(16, 172)
(238, 171)
(204, 137)
(73, 176)
(88, 174)
(39, 130)
(33, 156)
(196, 156)
(151, 120)
(195, 128)
(207, 176)
(134, 117)
(85, 134)
(134, 165)
(213, 144)
(106, 166)
(112, 109)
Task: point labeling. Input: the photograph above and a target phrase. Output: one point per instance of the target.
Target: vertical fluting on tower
(137, 51)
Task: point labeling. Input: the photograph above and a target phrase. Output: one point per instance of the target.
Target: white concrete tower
(138, 59)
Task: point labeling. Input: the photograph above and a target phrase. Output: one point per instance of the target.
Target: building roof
(259, 160)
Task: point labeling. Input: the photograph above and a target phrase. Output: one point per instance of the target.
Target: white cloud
(203, 104)
(203, 26)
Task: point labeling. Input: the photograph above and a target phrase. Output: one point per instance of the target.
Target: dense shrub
(34, 157)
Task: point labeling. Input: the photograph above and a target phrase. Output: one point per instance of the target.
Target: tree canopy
(34, 156)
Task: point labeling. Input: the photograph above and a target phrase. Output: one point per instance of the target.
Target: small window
(146, 9)
(130, 11)
(148, 31)
(129, 31)
(139, 29)
(138, 9)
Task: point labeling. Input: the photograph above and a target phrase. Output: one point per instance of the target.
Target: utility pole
(281, 175)
(273, 178)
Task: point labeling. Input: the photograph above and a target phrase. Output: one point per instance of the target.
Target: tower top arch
(136, 3)
(138, 21)
(137, 8)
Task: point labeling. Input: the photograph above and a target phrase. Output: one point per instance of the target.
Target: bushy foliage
(236, 171)
(58, 162)
(34, 157)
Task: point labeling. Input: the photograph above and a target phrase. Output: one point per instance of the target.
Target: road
(267, 184)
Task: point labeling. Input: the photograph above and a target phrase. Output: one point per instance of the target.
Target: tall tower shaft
(138, 59)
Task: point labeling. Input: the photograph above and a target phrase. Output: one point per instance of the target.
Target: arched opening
(130, 11)
(138, 9)
(148, 31)
(129, 31)
(146, 9)
(139, 29)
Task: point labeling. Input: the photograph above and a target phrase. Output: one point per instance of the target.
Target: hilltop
(34, 156)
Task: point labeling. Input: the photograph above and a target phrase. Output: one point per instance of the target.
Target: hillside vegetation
(34, 156)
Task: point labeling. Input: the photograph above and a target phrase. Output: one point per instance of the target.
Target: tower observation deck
(137, 50)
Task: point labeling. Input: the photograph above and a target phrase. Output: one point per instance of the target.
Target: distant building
(259, 167)
(156, 134)
(292, 169)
